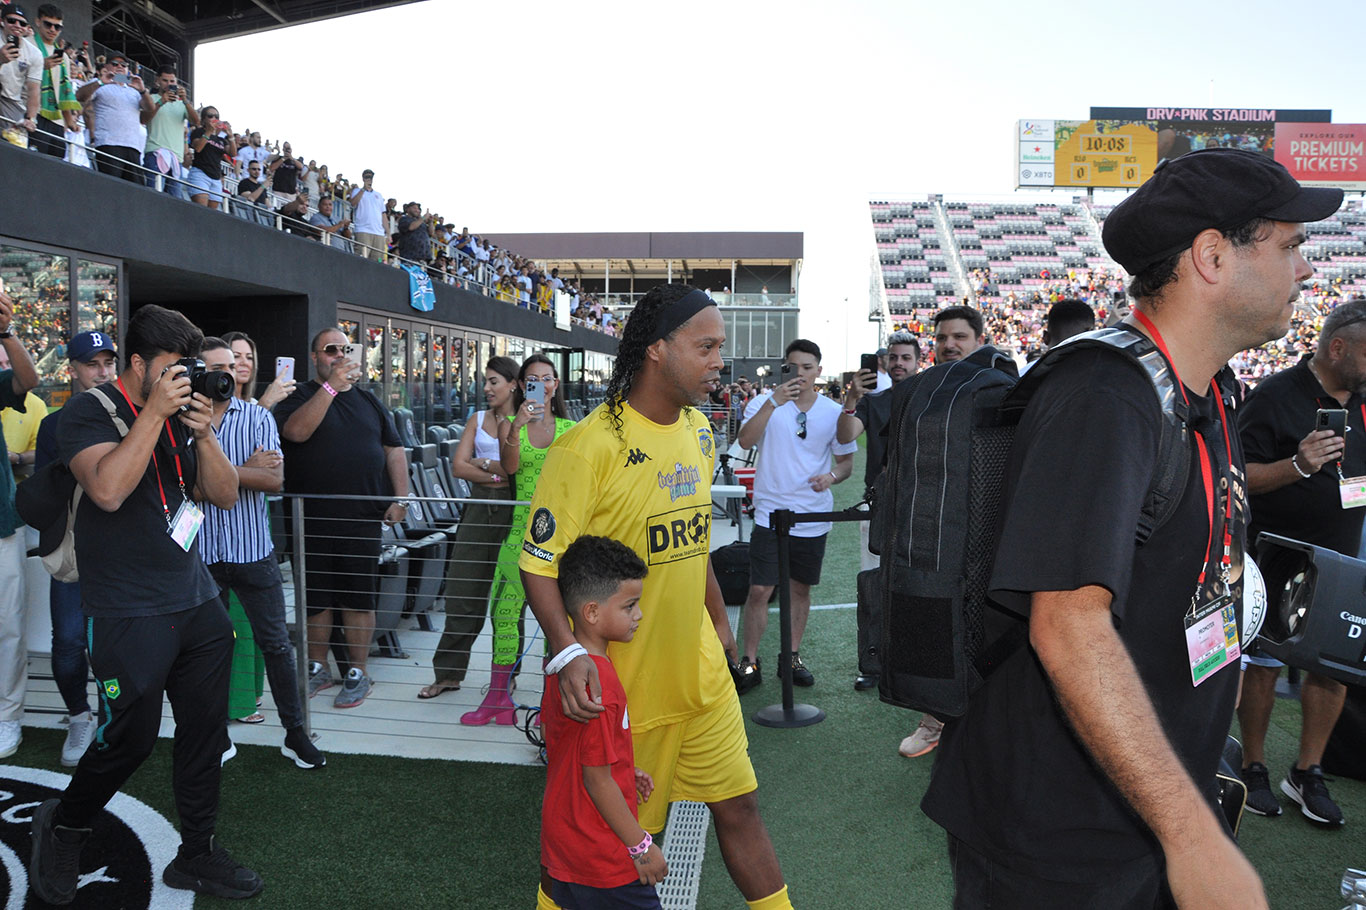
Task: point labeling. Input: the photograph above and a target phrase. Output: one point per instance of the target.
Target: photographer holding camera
(155, 623)
(166, 151)
(120, 104)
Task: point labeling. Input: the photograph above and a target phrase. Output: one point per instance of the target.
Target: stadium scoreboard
(1118, 147)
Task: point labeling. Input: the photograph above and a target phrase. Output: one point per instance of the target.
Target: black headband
(679, 312)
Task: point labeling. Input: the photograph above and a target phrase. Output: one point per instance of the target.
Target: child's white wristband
(561, 660)
(639, 850)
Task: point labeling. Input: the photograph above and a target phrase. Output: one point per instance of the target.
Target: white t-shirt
(369, 216)
(249, 153)
(884, 382)
(117, 110)
(786, 461)
(28, 68)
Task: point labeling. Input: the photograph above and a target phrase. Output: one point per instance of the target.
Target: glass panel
(421, 388)
(472, 378)
(398, 373)
(350, 328)
(772, 323)
(40, 286)
(442, 388)
(97, 304)
(374, 360)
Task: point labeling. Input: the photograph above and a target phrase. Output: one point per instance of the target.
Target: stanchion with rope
(790, 714)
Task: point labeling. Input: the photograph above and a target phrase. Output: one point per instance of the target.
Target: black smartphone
(786, 372)
(1334, 419)
(12, 40)
(868, 362)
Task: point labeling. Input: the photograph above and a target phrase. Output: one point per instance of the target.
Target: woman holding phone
(539, 417)
(474, 555)
(212, 141)
(244, 372)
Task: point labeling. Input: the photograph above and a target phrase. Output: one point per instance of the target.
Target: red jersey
(576, 844)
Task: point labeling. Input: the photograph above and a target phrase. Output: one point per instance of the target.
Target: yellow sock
(543, 901)
(775, 901)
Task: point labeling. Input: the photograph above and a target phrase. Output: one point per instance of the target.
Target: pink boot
(497, 705)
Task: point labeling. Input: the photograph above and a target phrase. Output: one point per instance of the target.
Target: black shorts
(342, 564)
(805, 555)
(634, 896)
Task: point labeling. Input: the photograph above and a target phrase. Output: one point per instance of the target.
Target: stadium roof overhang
(193, 21)
(652, 255)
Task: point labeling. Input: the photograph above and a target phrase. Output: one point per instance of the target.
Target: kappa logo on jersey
(680, 534)
(681, 481)
(635, 457)
(542, 525)
(706, 441)
(120, 866)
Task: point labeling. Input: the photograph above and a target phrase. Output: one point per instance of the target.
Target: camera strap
(156, 467)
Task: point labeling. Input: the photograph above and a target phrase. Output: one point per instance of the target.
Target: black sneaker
(214, 873)
(747, 675)
(299, 749)
(54, 863)
(1308, 789)
(1260, 799)
(801, 676)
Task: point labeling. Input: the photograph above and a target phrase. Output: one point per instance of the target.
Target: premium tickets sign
(1324, 154)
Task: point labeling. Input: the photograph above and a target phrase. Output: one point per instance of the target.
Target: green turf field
(371, 832)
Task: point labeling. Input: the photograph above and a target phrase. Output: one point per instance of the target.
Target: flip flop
(257, 718)
(436, 689)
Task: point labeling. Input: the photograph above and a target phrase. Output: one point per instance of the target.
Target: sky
(523, 115)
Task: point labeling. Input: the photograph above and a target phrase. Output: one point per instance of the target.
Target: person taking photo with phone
(119, 104)
(21, 73)
(166, 152)
(539, 418)
(58, 108)
(212, 141)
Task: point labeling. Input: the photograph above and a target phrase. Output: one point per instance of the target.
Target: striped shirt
(240, 534)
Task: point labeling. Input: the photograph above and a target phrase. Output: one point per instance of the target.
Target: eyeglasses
(11, 20)
(801, 424)
(332, 350)
(55, 26)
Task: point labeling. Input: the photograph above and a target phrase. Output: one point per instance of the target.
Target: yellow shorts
(704, 759)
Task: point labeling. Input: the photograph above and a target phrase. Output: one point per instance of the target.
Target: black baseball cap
(1216, 188)
(14, 9)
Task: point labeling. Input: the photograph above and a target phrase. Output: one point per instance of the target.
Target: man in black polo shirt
(1082, 771)
(1293, 474)
(866, 409)
(155, 623)
(337, 438)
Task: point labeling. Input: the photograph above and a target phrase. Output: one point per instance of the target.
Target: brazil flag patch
(111, 688)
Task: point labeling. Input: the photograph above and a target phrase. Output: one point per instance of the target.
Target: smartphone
(1334, 419)
(356, 354)
(786, 372)
(284, 368)
(535, 391)
(123, 78)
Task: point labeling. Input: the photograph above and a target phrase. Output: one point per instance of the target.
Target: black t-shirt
(874, 411)
(413, 244)
(286, 176)
(247, 185)
(209, 159)
(129, 564)
(1011, 778)
(345, 454)
(1279, 413)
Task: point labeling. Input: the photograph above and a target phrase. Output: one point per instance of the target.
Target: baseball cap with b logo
(85, 345)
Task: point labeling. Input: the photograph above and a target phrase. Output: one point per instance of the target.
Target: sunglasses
(10, 20)
(332, 350)
(801, 424)
(55, 26)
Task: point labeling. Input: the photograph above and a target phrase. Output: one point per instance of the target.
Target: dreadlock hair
(635, 338)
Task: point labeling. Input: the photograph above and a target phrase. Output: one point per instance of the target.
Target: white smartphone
(284, 368)
(356, 354)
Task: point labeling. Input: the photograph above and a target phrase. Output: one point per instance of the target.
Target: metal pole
(301, 612)
(787, 714)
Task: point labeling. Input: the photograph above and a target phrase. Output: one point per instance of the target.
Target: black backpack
(939, 503)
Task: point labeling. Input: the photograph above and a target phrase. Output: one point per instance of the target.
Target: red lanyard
(1206, 472)
(156, 467)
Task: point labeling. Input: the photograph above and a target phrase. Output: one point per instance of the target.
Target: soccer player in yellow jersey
(638, 469)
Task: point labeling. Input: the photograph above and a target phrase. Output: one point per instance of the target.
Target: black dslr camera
(215, 386)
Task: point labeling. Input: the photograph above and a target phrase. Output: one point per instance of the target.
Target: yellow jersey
(650, 488)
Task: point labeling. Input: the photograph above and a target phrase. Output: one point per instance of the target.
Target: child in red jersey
(594, 850)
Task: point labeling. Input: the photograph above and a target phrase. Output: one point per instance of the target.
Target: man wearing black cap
(93, 361)
(1080, 773)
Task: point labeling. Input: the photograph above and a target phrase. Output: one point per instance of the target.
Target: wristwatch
(403, 502)
(9, 332)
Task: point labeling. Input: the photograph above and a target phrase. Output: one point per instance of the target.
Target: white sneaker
(80, 731)
(924, 739)
(10, 737)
